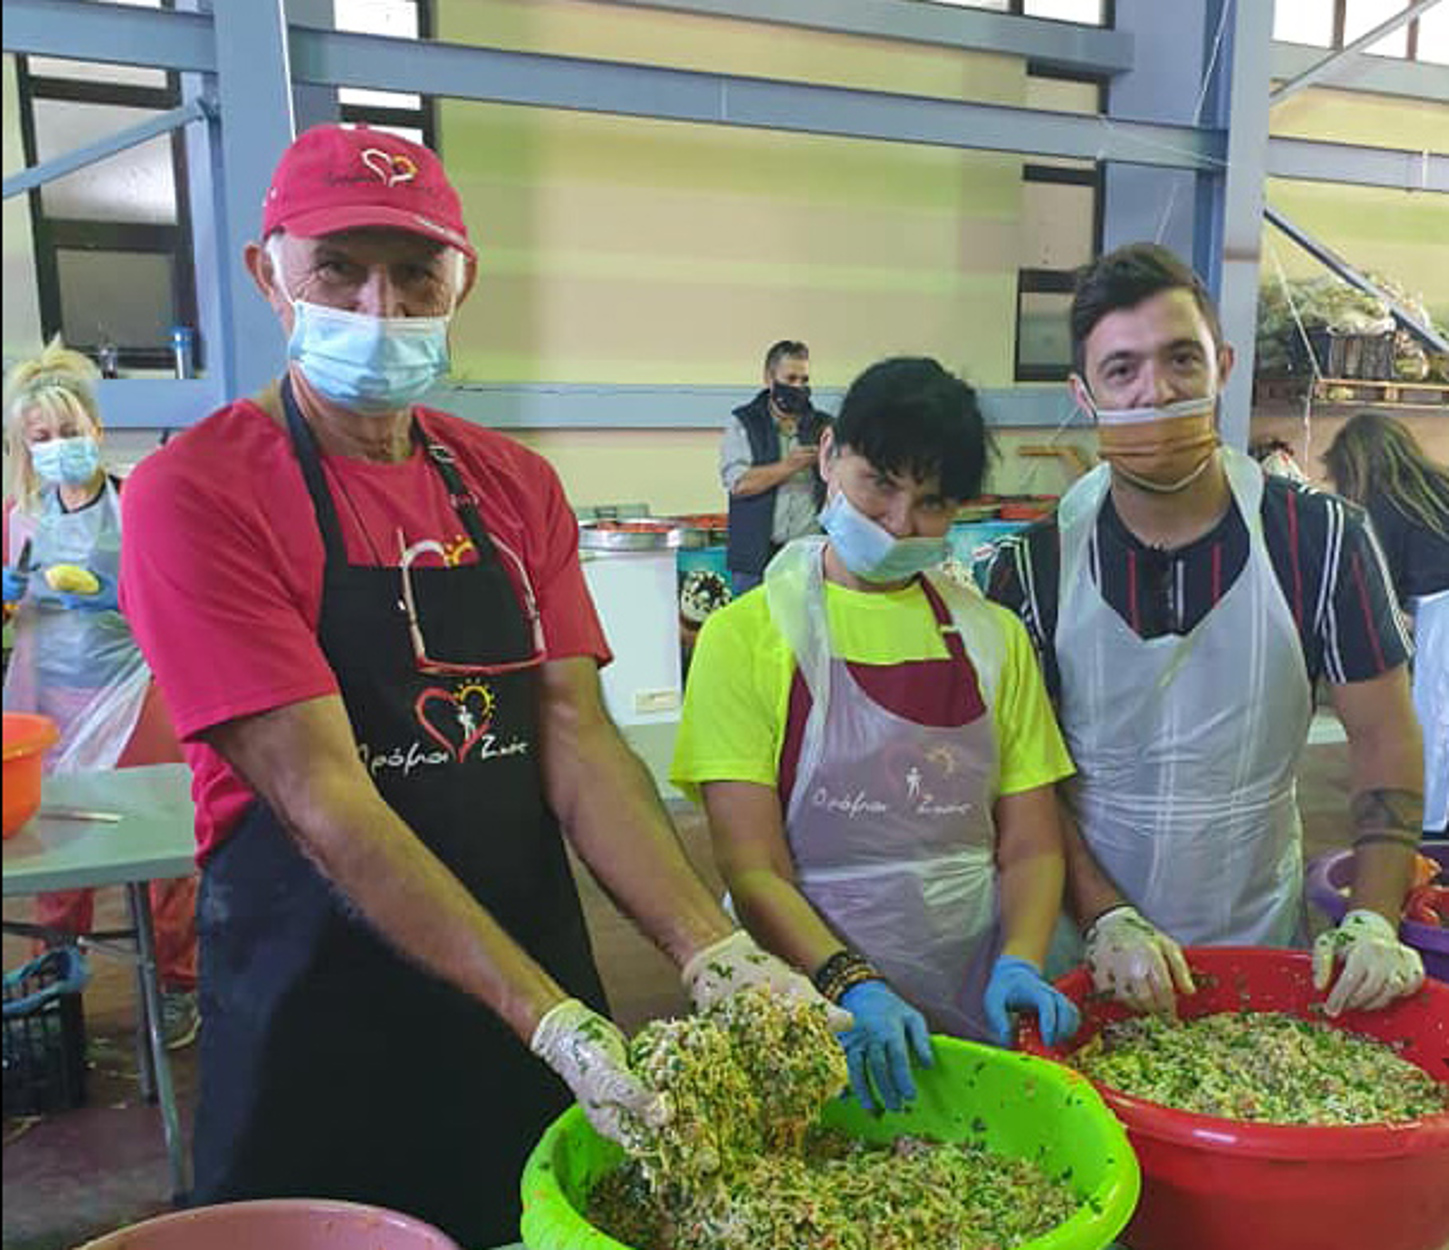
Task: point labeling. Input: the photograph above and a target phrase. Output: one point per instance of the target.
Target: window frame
(51, 235)
(1037, 281)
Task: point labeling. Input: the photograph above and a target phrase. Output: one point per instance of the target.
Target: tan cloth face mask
(1160, 449)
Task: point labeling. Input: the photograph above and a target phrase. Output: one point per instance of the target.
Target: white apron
(1431, 701)
(83, 669)
(1186, 746)
(890, 822)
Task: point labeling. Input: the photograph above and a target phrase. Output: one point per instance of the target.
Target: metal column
(1230, 231)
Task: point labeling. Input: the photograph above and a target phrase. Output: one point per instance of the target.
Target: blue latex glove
(105, 599)
(15, 583)
(1017, 985)
(887, 1032)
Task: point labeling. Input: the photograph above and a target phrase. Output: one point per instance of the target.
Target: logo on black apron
(458, 719)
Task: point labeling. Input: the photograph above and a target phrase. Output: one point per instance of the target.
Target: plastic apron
(330, 1065)
(83, 669)
(1431, 701)
(889, 822)
(1186, 746)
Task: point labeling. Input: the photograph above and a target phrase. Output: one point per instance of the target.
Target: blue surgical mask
(66, 461)
(371, 364)
(872, 552)
(374, 365)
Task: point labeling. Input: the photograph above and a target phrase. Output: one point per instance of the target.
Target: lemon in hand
(72, 579)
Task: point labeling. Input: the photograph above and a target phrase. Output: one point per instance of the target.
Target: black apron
(330, 1066)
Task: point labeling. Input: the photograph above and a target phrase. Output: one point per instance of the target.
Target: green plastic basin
(1016, 1104)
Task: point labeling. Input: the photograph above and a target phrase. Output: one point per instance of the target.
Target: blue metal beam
(254, 89)
(58, 167)
(156, 403)
(1233, 263)
(536, 79)
(1050, 44)
(1377, 75)
(1321, 252)
(1312, 161)
(115, 33)
(1340, 57)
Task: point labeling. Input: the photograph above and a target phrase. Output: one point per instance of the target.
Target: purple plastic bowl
(1328, 881)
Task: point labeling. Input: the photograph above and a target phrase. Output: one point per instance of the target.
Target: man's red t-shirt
(221, 569)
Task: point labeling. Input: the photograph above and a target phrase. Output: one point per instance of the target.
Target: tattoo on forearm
(1388, 815)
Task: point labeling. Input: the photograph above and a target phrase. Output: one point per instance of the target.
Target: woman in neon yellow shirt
(876, 753)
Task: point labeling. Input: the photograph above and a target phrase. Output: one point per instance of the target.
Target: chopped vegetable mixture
(741, 1166)
(1265, 1066)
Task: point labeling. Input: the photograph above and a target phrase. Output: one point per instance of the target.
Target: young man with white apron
(1157, 596)
(874, 748)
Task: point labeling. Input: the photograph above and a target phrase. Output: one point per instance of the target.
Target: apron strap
(950, 632)
(440, 456)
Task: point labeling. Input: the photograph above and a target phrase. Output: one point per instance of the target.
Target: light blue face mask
(374, 365)
(873, 553)
(66, 461)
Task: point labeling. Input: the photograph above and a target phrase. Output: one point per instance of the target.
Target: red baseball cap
(335, 178)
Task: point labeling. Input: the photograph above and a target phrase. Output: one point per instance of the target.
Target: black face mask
(792, 399)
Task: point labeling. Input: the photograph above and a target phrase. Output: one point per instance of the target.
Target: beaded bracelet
(842, 971)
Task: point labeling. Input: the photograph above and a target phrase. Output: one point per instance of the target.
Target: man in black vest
(767, 464)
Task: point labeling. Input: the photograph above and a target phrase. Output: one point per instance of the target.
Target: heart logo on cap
(389, 169)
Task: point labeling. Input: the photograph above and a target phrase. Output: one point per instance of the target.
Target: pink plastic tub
(278, 1224)
(1330, 876)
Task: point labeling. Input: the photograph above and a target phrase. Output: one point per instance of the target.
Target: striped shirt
(1327, 563)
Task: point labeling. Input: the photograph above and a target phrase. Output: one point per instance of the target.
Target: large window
(112, 240)
(1085, 12)
(1061, 230)
(411, 116)
(1335, 23)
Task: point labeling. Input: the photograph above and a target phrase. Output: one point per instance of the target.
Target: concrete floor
(75, 1175)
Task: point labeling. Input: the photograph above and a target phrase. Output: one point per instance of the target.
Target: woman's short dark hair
(909, 415)
(1123, 279)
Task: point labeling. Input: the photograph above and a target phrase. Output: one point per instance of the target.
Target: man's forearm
(1387, 827)
(762, 477)
(609, 807)
(418, 906)
(1090, 891)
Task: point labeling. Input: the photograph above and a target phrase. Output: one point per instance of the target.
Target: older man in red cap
(369, 621)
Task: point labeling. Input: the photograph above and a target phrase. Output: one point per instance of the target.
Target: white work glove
(1135, 962)
(592, 1056)
(1377, 967)
(727, 966)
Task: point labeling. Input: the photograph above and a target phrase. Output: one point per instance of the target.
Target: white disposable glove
(1377, 967)
(726, 966)
(592, 1056)
(1135, 962)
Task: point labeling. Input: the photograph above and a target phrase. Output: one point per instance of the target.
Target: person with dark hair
(876, 753)
(767, 464)
(1184, 603)
(1375, 461)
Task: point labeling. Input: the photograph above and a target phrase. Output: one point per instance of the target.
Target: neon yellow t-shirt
(737, 697)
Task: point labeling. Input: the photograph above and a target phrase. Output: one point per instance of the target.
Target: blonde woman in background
(1375, 461)
(74, 658)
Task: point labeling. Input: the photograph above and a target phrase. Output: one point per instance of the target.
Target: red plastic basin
(278, 1224)
(27, 739)
(1210, 1183)
(1329, 877)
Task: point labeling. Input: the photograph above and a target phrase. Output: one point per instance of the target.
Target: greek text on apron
(331, 1066)
(890, 822)
(1186, 746)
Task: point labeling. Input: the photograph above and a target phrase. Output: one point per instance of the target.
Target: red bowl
(27, 739)
(1210, 1183)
